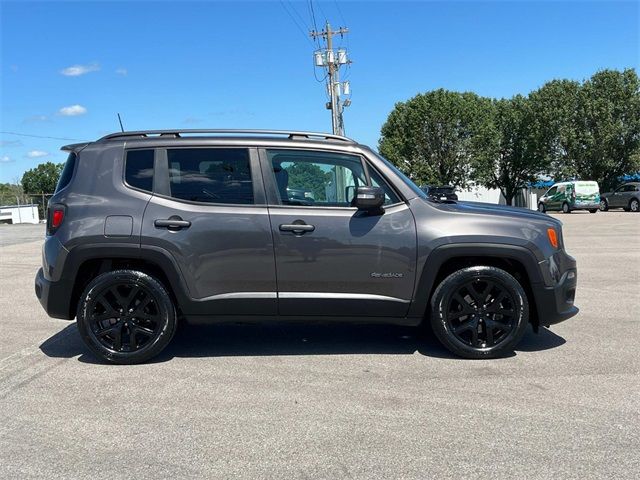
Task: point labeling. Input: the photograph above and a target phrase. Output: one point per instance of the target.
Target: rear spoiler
(74, 147)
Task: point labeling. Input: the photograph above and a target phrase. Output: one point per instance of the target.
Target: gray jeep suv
(147, 228)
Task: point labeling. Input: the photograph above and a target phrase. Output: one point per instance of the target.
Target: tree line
(564, 130)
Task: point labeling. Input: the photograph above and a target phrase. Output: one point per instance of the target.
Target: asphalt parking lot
(272, 401)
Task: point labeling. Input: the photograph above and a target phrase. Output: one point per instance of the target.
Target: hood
(480, 208)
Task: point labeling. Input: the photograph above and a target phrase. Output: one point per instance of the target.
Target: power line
(296, 23)
(40, 136)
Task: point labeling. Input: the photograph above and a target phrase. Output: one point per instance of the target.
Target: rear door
(209, 213)
(331, 259)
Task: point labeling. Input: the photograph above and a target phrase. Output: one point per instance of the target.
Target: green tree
(310, 178)
(609, 126)
(510, 157)
(42, 179)
(10, 193)
(432, 137)
(555, 108)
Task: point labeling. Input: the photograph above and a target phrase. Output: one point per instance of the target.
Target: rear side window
(139, 169)
(210, 175)
(67, 172)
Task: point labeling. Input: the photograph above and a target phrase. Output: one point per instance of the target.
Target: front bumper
(555, 304)
(55, 297)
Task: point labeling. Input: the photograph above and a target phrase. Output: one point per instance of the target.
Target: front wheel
(479, 312)
(541, 208)
(634, 205)
(126, 317)
(603, 206)
(566, 208)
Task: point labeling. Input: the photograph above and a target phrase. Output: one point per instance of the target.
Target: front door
(331, 259)
(209, 213)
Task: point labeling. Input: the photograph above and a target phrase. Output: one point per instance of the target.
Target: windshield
(403, 177)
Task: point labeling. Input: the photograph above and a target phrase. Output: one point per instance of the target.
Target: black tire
(566, 208)
(455, 317)
(541, 208)
(634, 205)
(593, 210)
(126, 317)
(604, 206)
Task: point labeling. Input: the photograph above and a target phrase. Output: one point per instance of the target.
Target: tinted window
(211, 175)
(139, 169)
(320, 178)
(67, 172)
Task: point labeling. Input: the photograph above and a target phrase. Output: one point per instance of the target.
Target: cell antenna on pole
(120, 120)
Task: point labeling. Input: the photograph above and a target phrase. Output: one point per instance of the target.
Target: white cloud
(72, 110)
(5, 159)
(122, 71)
(37, 154)
(77, 70)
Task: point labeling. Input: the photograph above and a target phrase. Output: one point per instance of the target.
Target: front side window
(320, 179)
(210, 175)
(552, 191)
(138, 170)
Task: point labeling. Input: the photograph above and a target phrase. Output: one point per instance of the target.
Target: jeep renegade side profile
(147, 228)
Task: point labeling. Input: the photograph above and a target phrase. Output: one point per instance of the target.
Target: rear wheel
(479, 312)
(593, 210)
(126, 316)
(566, 208)
(634, 205)
(541, 208)
(604, 206)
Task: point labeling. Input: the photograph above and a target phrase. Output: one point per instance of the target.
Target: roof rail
(178, 133)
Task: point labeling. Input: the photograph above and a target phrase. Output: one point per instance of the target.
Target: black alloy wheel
(479, 312)
(126, 316)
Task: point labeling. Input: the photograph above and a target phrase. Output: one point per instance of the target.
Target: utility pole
(332, 61)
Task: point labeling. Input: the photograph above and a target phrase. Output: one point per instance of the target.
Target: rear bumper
(55, 297)
(555, 304)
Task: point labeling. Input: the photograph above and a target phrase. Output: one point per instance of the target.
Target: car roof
(216, 136)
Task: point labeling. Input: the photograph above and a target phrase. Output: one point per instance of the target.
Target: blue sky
(247, 65)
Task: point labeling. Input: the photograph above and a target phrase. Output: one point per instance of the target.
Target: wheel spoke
(117, 339)
(143, 330)
(474, 335)
(489, 333)
(132, 339)
(466, 307)
(465, 325)
(139, 309)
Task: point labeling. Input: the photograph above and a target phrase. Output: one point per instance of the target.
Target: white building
(19, 214)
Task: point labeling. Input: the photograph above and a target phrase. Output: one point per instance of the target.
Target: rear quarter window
(139, 169)
(67, 172)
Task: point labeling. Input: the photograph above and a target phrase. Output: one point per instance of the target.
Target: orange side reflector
(553, 237)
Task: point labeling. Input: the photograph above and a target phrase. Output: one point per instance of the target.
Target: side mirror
(368, 198)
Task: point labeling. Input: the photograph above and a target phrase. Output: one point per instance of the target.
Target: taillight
(55, 218)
